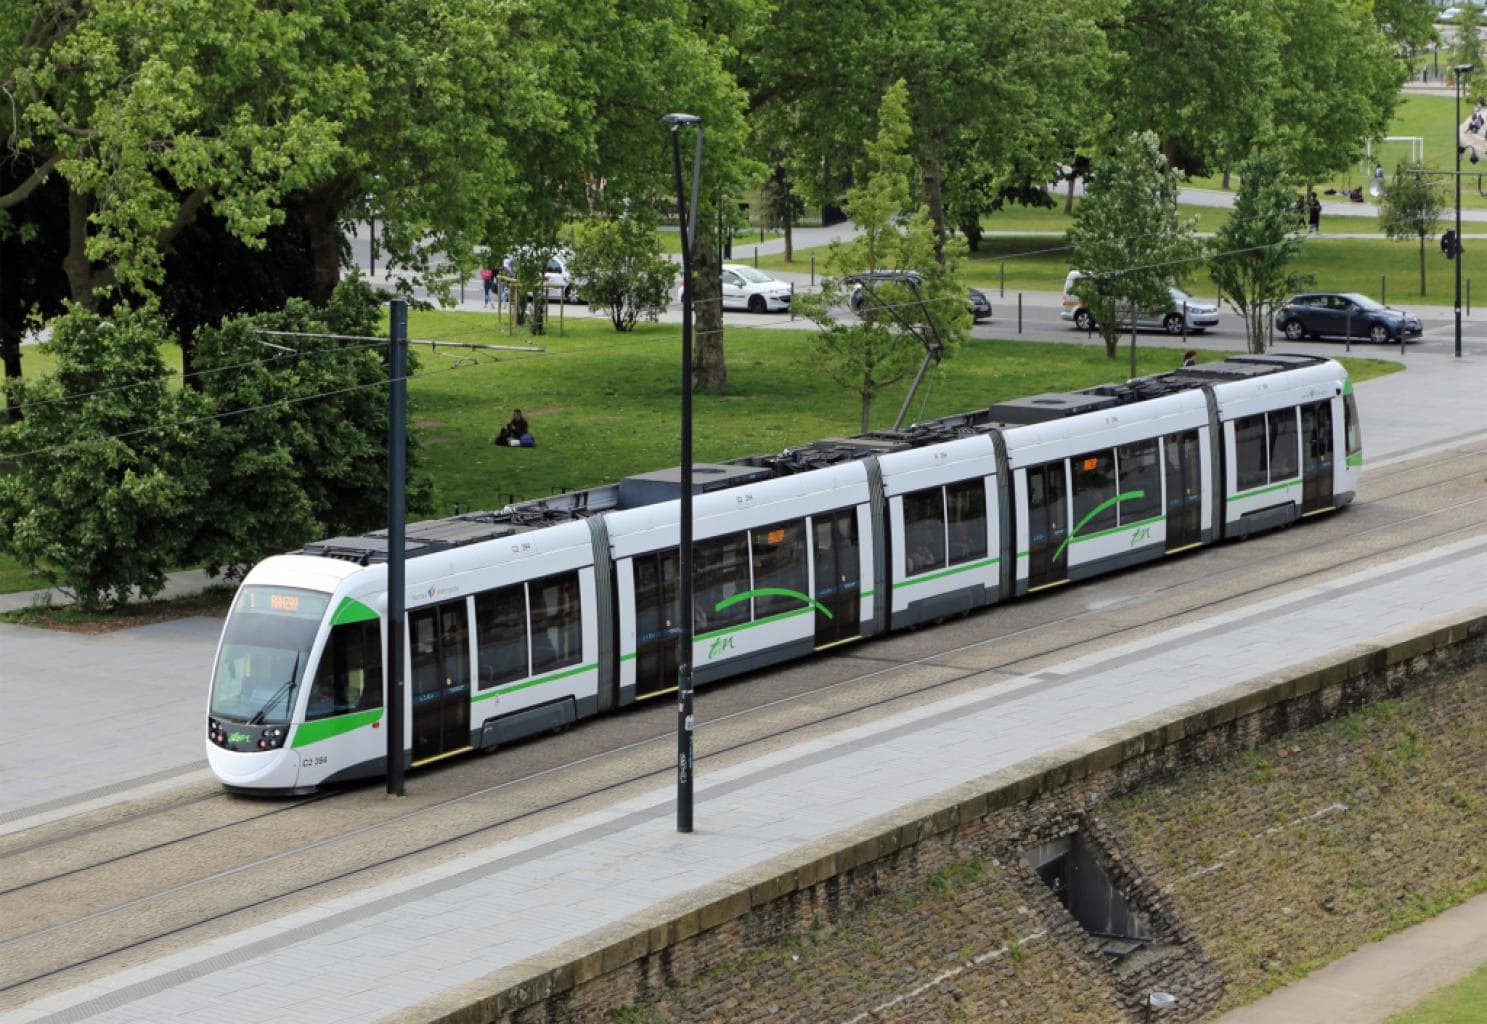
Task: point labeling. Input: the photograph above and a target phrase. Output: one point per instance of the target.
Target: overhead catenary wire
(223, 415)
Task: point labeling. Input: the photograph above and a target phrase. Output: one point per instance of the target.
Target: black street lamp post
(684, 758)
(1460, 70)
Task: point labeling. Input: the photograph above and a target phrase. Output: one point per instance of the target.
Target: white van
(1200, 315)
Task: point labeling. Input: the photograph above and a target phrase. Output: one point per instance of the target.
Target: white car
(744, 287)
(555, 275)
(1201, 315)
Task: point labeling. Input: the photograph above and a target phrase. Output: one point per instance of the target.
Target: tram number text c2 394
(313, 762)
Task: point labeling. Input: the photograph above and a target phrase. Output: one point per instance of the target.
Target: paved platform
(332, 962)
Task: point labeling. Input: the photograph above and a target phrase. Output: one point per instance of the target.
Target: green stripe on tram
(351, 610)
(328, 728)
(1266, 490)
(1102, 506)
(529, 683)
(931, 577)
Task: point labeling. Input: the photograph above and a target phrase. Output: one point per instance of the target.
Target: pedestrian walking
(1313, 213)
(487, 281)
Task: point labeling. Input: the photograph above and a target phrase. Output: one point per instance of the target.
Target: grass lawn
(1462, 1003)
(604, 405)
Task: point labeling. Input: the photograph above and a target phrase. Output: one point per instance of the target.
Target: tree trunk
(81, 279)
(1133, 340)
(1422, 266)
(1069, 196)
(867, 400)
(933, 196)
(1227, 165)
(322, 211)
(709, 373)
(789, 241)
(10, 353)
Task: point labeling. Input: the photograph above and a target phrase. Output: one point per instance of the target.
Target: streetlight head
(1463, 69)
(679, 120)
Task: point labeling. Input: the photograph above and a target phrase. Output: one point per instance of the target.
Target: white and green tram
(525, 620)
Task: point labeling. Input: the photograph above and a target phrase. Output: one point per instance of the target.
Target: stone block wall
(1272, 828)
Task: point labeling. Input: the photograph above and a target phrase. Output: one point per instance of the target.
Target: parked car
(1201, 315)
(745, 287)
(1343, 314)
(556, 274)
(976, 300)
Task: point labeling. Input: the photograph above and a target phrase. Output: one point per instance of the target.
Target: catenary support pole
(685, 759)
(397, 416)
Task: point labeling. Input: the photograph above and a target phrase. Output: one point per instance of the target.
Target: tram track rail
(135, 819)
(1336, 537)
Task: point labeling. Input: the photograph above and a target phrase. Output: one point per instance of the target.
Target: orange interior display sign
(1091, 464)
(775, 536)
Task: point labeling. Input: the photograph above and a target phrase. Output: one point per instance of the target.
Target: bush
(618, 265)
(101, 498)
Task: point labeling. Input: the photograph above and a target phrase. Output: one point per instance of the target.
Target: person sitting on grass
(515, 433)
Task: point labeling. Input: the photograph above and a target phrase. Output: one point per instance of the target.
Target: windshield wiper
(285, 688)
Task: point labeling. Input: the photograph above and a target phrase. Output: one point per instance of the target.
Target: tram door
(1316, 463)
(1184, 490)
(838, 563)
(1047, 526)
(657, 627)
(439, 650)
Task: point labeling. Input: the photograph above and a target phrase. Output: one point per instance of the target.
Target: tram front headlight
(272, 739)
(216, 733)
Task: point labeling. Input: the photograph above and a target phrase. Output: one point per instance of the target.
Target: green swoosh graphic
(1102, 506)
(728, 602)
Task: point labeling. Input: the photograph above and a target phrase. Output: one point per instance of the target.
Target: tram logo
(239, 737)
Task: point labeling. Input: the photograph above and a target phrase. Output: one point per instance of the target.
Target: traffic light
(1450, 245)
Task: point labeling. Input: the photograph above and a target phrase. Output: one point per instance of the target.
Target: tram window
(501, 635)
(720, 569)
(1094, 492)
(1251, 468)
(655, 595)
(454, 641)
(779, 561)
(1320, 441)
(965, 504)
(1350, 425)
(349, 676)
(924, 530)
(1284, 445)
(1140, 482)
(557, 623)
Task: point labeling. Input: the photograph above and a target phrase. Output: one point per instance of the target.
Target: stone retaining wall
(1252, 839)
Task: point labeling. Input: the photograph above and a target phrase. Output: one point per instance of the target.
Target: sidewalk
(1382, 978)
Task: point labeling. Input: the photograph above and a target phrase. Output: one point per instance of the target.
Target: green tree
(300, 449)
(1337, 84)
(1411, 208)
(153, 111)
(1127, 238)
(1256, 245)
(1224, 62)
(99, 500)
(1467, 46)
(619, 266)
(899, 319)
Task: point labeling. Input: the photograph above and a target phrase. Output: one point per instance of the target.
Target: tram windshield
(265, 651)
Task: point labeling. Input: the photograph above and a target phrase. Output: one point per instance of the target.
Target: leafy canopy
(1127, 238)
(1257, 244)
